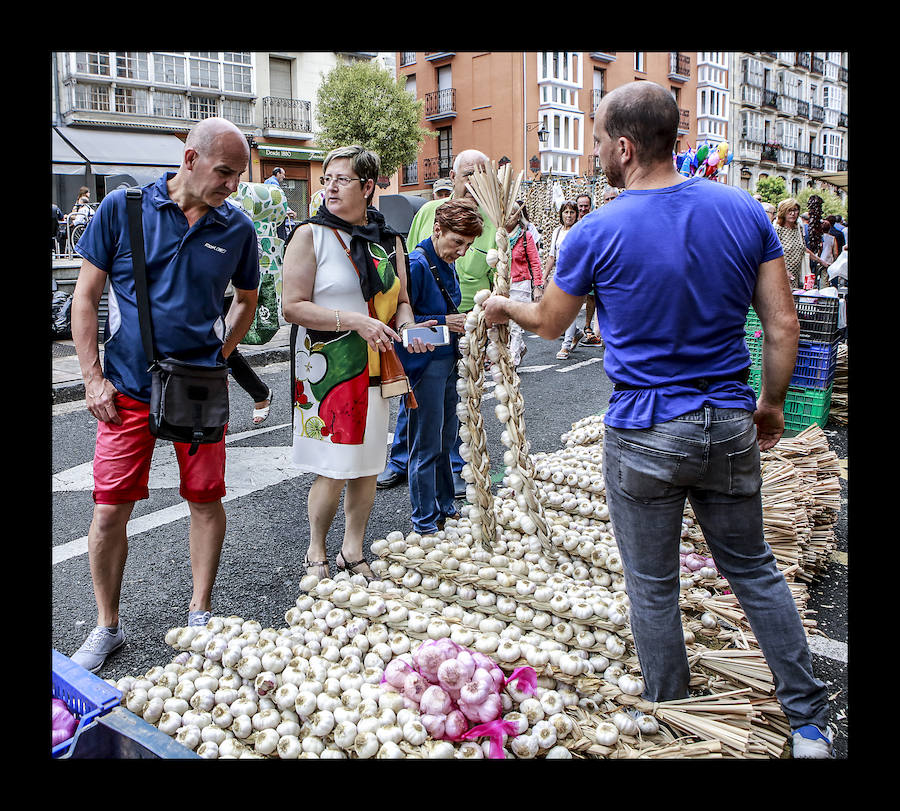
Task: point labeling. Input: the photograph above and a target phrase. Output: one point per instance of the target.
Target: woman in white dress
(343, 294)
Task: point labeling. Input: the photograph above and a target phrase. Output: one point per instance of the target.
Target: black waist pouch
(188, 403)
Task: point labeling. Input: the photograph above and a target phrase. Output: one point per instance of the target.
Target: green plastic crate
(804, 407)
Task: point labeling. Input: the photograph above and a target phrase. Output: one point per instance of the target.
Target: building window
(203, 107)
(168, 105)
(168, 69)
(132, 65)
(93, 97)
(204, 69)
(236, 72)
(95, 62)
(639, 61)
(237, 112)
(131, 100)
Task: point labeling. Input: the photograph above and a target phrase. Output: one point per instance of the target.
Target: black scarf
(377, 230)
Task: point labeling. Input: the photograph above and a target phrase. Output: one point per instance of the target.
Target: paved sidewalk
(68, 385)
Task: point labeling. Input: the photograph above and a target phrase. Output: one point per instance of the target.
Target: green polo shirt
(472, 269)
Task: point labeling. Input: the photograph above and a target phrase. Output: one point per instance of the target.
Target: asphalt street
(267, 530)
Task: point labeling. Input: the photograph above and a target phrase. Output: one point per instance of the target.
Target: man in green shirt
(472, 269)
(474, 274)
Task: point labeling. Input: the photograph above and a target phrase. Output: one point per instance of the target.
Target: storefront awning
(834, 178)
(108, 151)
(298, 153)
(66, 161)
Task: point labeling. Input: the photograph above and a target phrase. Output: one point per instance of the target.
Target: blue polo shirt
(188, 271)
(673, 272)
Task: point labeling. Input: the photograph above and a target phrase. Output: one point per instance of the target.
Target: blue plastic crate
(816, 363)
(86, 695)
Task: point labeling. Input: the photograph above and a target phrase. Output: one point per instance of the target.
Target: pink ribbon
(526, 676)
(495, 731)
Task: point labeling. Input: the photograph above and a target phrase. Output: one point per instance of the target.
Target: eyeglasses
(341, 180)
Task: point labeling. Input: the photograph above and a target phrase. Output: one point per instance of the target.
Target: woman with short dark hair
(435, 296)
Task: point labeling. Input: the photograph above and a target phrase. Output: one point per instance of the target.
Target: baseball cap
(443, 183)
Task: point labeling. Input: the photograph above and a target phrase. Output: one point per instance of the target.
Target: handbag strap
(350, 257)
(133, 198)
(451, 307)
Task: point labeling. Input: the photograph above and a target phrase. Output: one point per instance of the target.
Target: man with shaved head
(194, 245)
(675, 263)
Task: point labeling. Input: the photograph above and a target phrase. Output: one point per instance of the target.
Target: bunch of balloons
(704, 161)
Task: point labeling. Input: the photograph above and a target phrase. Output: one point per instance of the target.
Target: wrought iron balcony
(679, 67)
(817, 65)
(804, 59)
(407, 58)
(770, 98)
(818, 113)
(803, 109)
(438, 167)
(769, 153)
(684, 120)
(293, 115)
(843, 120)
(440, 104)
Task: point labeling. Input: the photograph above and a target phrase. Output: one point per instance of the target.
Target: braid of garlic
(473, 446)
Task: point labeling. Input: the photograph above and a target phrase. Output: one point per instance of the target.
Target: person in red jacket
(526, 280)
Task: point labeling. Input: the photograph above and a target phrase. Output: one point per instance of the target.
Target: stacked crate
(808, 399)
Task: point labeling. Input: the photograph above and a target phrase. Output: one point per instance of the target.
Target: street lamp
(542, 134)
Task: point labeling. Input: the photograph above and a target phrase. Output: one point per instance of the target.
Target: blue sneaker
(811, 742)
(101, 642)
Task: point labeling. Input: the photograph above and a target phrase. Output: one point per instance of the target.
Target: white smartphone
(437, 336)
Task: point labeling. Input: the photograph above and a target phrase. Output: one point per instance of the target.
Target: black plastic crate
(818, 317)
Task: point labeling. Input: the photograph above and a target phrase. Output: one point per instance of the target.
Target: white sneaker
(811, 742)
(101, 642)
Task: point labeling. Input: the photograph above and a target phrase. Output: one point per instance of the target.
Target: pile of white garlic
(312, 689)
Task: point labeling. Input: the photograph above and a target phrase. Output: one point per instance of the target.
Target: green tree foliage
(771, 189)
(361, 103)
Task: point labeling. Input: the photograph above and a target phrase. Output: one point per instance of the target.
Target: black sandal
(316, 564)
(350, 566)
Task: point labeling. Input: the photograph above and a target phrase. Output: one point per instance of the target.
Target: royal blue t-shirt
(188, 271)
(674, 271)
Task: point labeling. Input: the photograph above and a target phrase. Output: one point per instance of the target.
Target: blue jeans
(398, 455)
(711, 457)
(433, 430)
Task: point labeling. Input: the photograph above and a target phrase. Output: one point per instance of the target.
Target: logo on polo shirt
(214, 247)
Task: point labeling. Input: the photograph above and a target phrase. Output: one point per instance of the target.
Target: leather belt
(701, 383)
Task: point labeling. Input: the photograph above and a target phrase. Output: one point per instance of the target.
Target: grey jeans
(711, 457)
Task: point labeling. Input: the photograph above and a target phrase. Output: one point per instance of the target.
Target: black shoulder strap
(451, 307)
(136, 231)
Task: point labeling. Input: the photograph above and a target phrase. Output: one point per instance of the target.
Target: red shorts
(123, 454)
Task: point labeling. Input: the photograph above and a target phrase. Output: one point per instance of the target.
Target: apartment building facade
(532, 109)
(120, 117)
(789, 118)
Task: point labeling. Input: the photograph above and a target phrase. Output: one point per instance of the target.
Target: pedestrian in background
(790, 236)
(526, 280)
(568, 216)
(682, 421)
(184, 213)
(442, 189)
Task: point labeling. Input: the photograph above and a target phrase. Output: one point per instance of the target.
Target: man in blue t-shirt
(675, 265)
(194, 244)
